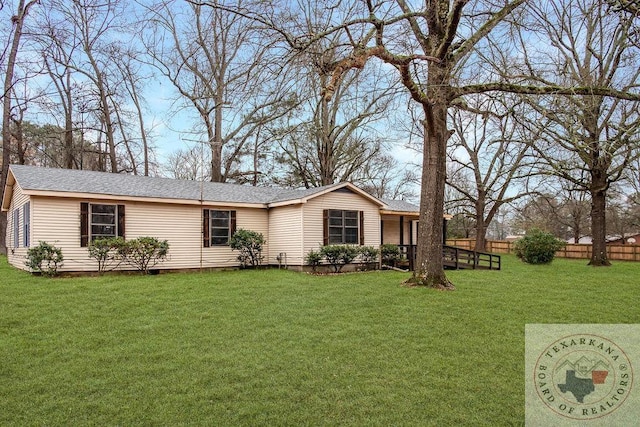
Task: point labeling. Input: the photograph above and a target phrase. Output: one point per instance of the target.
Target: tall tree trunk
(126, 141)
(18, 137)
(108, 124)
(598, 228)
(143, 131)
(481, 223)
(325, 142)
(18, 21)
(429, 270)
(215, 139)
(101, 86)
(576, 235)
(69, 157)
(481, 235)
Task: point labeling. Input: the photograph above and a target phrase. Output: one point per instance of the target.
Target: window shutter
(84, 224)
(325, 227)
(206, 240)
(121, 221)
(232, 223)
(16, 228)
(26, 224)
(361, 228)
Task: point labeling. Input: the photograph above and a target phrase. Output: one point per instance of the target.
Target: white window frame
(91, 213)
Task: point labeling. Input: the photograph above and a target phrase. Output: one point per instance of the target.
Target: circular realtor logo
(583, 376)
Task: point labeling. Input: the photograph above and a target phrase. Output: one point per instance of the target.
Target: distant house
(627, 239)
(70, 208)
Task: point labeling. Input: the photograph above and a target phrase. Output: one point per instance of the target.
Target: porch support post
(412, 249)
(444, 231)
(411, 242)
(401, 230)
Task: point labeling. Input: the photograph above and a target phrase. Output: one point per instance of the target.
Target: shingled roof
(34, 179)
(400, 206)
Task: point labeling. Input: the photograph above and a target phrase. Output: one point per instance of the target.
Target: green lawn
(282, 348)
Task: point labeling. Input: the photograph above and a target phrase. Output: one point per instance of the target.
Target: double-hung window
(103, 221)
(100, 221)
(218, 227)
(343, 227)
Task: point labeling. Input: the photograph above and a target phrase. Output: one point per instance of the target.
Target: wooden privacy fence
(571, 250)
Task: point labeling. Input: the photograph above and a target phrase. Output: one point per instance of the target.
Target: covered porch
(399, 226)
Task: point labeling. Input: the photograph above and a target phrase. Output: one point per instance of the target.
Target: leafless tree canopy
(495, 94)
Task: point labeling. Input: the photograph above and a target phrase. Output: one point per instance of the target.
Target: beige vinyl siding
(57, 221)
(180, 225)
(285, 234)
(246, 218)
(16, 256)
(391, 229)
(312, 217)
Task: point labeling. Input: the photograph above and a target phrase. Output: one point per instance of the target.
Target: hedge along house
(70, 208)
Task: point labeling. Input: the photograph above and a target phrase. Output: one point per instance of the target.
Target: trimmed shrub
(143, 253)
(339, 255)
(44, 259)
(314, 259)
(368, 255)
(390, 254)
(250, 244)
(105, 251)
(537, 247)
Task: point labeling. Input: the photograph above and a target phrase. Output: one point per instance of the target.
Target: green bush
(44, 259)
(537, 247)
(314, 259)
(339, 255)
(105, 251)
(390, 254)
(143, 253)
(368, 255)
(250, 244)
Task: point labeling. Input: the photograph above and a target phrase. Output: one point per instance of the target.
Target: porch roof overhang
(446, 217)
(7, 192)
(399, 213)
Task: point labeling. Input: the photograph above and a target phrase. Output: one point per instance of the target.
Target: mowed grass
(277, 347)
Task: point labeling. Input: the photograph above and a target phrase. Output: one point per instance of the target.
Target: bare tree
(132, 78)
(588, 139)
(189, 164)
(560, 210)
(217, 61)
(574, 214)
(91, 22)
(57, 50)
(385, 178)
(333, 139)
(92, 83)
(491, 155)
(540, 211)
(17, 22)
(434, 48)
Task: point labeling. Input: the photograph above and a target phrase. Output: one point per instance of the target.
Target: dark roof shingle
(81, 181)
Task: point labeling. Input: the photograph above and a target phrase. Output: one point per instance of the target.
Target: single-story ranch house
(70, 208)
